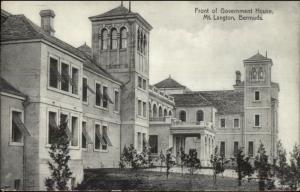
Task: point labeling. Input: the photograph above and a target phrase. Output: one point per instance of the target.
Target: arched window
(160, 112)
(165, 113)
(150, 110)
(200, 116)
(144, 44)
(260, 73)
(170, 113)
(104, 39)
(254, 73)
(123, 38)
(182, 116)
(154, 110)
(114, 39)
(138, 39)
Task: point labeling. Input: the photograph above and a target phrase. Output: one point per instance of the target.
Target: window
(144, 84)
(83, 138)
(144, 140)
(223, 123)
(74, 80)
(138, 39)
(17, 184)
(154, 110)
(235, 147)
(170, 113)
(97, 136)
(52, 125)
(65, 77)
(116, 101)
(200, 116)
(104, 39)
(236, 123)
(254, 73)
(257, 96)
(222, 148)
(257, 123)
(84, 89)
(74, 141)
(139, 82)
(182, 116)
(144, 44)
(105, 97)
(104, 133)
(16, 134)
(139, 139)
(123, 38)
(54, 73)
(98, 94)
(139, 107)
(260, 73)
(144, 109)
(160, 112)
(114, 39)
(165, 113)
(153, 142)
(250, 149)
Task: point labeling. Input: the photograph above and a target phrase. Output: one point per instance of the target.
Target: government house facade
(103, 93)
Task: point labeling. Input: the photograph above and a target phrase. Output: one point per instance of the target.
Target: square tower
(120, 45)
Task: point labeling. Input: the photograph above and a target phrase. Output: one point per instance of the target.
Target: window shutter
(21, 126)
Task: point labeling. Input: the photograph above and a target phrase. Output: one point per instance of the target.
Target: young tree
(169, 161)
(162, 159)
(295, 167)
(262, 166)
(217, 163)
(243, 167)
(183, 157)
(59, 154)
(281, 167)
(192, 162)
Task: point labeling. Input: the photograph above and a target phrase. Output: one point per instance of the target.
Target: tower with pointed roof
(120, 44)
(260, 104)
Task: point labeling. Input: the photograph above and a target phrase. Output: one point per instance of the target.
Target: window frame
(61, 62)
(253, 150)
(256, 100)
(156, 144)
(49, 70)
(198, 111)
(104, 124)
(107, 101)
(118, 106)
(181, 110)
(123, 28)
(86, 143)
(104, 39)
(223, 118)
(87, 83)
(139, 107)
(11, 142)
(78, 82)
(259, 120)
(78, 131)
(224, 148)
(112, 39)
(53, 110)
(235, 152)
(144, 109)
(239, 124)
(94, 130)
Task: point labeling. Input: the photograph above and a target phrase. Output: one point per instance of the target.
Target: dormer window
(114, 39)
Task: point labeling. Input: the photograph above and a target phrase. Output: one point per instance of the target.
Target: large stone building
(103, 94)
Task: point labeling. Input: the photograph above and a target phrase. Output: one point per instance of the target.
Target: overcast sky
(202, 55)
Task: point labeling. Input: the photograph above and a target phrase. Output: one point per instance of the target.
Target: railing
(166, 119)
(200, 123)
(161, 93)
(157, 119)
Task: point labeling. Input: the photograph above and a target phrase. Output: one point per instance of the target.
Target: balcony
(161, 94)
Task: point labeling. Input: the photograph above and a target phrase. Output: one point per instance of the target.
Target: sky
(201, 54)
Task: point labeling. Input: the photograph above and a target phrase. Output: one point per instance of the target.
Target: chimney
(238, 77)
(47, 18)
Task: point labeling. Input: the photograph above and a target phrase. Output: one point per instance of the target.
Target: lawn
(114, 179)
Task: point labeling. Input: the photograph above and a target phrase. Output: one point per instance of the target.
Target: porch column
(202, 149)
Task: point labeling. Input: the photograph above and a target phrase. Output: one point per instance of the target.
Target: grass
(115, 179)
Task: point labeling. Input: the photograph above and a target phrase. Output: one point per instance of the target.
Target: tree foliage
(243, 166)
(281, 166)
(218, 164)
(295, 167)
(183, 159)
(262, 166)
(59, 154)
(169, 161)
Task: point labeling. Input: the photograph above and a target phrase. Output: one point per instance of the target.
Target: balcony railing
(190, 123)
(161, 93)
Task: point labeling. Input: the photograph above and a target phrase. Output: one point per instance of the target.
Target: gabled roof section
(226, 102)
(120, 12)
(19, 27)
(192, 99)
(257, 57)
(168, 83)
(85, 49)
(8, 88)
